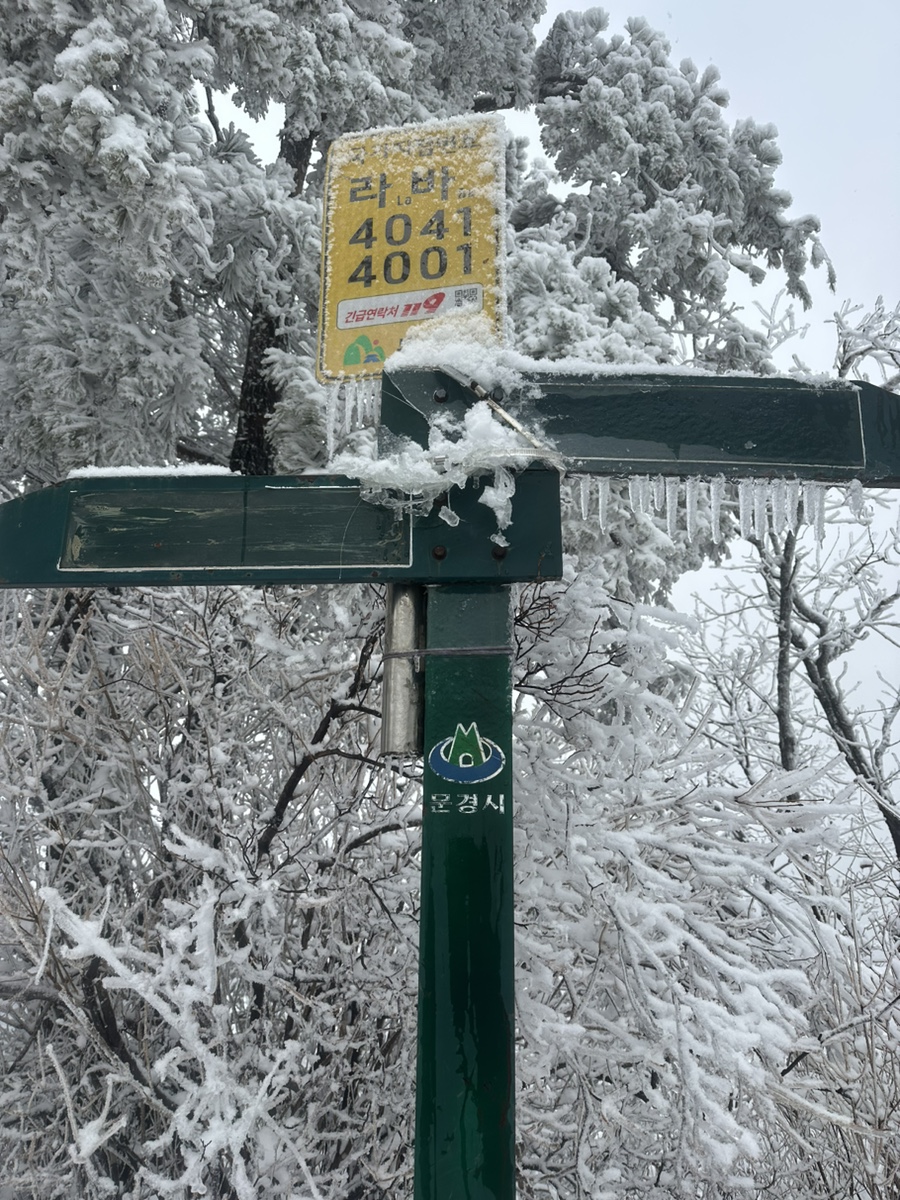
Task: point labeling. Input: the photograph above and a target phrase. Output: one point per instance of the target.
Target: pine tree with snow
(676, 198)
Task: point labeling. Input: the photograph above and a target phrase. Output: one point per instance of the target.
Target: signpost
(465, 1129)
(411, 233)
(169, 529)
(681, 424)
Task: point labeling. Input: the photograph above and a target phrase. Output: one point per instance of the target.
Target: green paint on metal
(105, 531)
(683, 425)
(410, 400)
(201, 524)
(465, 1131)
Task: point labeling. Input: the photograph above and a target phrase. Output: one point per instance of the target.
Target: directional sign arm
(682, 424)
(180, 529)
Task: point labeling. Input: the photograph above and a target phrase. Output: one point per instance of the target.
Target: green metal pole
(465, 1135)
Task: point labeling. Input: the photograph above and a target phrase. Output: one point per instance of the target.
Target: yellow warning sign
(411, 232)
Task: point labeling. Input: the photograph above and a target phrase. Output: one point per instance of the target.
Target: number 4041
(397, 264)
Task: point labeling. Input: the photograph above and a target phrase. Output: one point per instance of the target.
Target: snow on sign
(410, 233)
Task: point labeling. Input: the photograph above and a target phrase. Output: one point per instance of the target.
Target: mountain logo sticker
(363, 350)
(466, 757)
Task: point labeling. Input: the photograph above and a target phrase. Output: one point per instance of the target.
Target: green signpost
(465, 1135)
(171, 529)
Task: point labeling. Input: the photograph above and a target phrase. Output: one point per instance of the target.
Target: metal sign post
(464, 1093)
(171, 530)
(104, 531)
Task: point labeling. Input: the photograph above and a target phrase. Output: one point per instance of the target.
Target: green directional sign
(681, 424)
(202, 529)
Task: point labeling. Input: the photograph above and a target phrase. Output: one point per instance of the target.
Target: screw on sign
(410, 233)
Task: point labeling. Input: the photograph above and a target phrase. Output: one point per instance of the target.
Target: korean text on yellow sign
(411, 232)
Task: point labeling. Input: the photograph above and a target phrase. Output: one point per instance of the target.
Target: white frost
(457, 451)
(126, 472)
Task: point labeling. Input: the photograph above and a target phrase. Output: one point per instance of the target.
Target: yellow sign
(411, 232)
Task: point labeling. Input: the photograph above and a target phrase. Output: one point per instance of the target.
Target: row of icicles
(762, 504)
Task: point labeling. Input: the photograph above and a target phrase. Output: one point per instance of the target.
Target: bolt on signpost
(210, 529)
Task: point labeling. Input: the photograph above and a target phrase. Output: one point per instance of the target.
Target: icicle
(716, 496)
(807, 502)
(808, 505)
(778, 493)
(603, 501)
(372, 396)
(691, 489)
(646, 493)
(814, 508)
(760, 507)
(659, 493)
(820, 514)
(350, 406)
(855, 499)
(672, 486)
(745, 507)
(331, 411)
(634, 494)
(792, 503)
(346, 391)
(585, 497)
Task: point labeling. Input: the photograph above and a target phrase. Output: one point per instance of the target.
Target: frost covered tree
(210, 877)
(676, 198)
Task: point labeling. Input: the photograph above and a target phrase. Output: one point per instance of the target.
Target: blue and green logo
(363, 350)
(467, 757)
